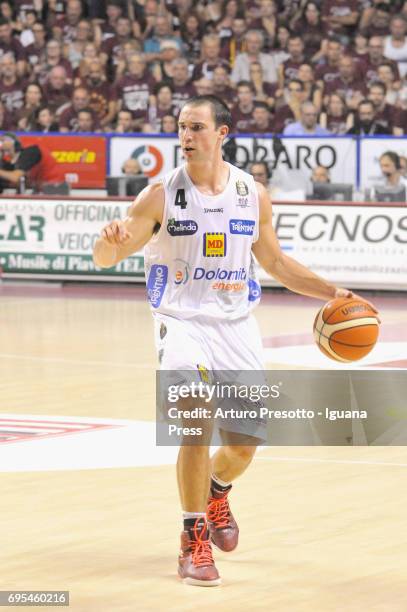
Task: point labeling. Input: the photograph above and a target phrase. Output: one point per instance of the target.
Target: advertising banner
(370, 151)
(355, 246)
(294, 162)
(82, 158)
(54, 239)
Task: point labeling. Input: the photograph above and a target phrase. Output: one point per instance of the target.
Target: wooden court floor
(322, 528)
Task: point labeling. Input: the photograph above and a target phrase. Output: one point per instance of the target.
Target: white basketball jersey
(199, 264)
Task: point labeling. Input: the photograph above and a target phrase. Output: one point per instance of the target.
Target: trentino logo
(254, 291)
(156, 284)
(244, 227)
(182, 228)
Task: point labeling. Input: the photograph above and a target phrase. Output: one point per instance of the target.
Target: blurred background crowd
(283, 66)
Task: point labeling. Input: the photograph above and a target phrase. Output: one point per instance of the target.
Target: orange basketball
(346, 329)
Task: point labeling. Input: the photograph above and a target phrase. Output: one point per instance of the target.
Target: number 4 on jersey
(180, 199)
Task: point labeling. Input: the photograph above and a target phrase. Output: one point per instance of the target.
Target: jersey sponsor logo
(254, 291)
(182, 273)
(203, 373)
(156, 284)
(245, 227)
(224, 280)
(220, 274)
(214, 244)
(241, 188)
(182, 228)
(213, 210)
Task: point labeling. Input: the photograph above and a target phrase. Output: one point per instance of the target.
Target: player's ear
(224, 130)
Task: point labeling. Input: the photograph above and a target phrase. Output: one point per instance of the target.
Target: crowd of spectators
(282, 66)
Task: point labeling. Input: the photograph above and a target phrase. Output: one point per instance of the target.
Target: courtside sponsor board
(54, 238)
(81, 158)
(359, 246)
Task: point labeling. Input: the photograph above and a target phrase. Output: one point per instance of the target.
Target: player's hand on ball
(346, 293)
(116, 233)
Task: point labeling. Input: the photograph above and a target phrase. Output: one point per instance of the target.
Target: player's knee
(244, 453)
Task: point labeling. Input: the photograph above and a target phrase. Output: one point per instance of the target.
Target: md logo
(214, 244)
(245, 227)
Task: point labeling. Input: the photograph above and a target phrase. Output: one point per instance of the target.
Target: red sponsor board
(83, 158)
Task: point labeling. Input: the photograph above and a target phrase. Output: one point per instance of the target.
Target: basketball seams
(365, 322)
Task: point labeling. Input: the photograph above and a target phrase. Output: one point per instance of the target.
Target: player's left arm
(283, 268)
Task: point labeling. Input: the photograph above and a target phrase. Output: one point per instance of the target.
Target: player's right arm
(120, 239)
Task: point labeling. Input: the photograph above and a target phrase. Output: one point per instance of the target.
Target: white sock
(220, 482)
(193, 515)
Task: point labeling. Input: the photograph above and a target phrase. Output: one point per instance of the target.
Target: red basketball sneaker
(195, 563)
(222, 526)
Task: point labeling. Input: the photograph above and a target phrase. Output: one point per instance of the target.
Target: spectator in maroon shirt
(312, 91)
(26, 116)
(387, 115)
(45, 121)
(348, 84)
(262, 120)
(169, 125)
(10, 44)
(111, 48)
(161, 104)
(265, 92)
(289, 68)
(375, 58)
(340, 16)
(124, 123)
(133, 90)
(12, 87)
(114, 10)
(182, 87)
(242, 111)
(86, 121)
(266, 22)
(336, 118)
(375, 21)
(57, 92)
(68, 23)
(309, 27)
(221, 86)
(51, 58)
(329, 70)
(37, 47)
(191, 36)
(6, 119)
(386, 74)
(103, 98)
(210, 58)
(68, 121)
(289, 111)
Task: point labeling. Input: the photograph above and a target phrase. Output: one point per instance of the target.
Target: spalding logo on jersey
(241, 188)
(214, 244)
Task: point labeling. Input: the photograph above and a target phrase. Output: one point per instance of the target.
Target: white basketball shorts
(228, 350)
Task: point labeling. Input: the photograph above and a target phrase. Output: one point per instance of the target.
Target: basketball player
(200, 225)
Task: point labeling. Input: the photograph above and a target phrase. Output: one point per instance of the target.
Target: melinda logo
(241, 226)
(181, 228)
(157, 281)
